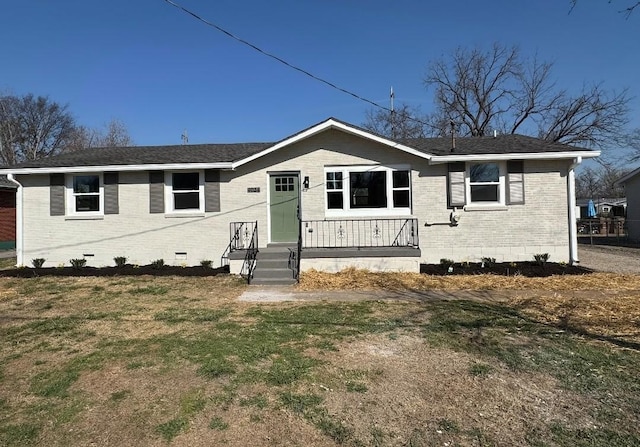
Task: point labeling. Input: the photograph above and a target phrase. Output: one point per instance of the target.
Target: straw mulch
(603, 305)
(605, 316)
(354, 279)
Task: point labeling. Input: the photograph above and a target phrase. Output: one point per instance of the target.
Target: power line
(282, 61)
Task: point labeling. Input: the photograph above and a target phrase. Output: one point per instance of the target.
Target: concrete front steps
(272, 266)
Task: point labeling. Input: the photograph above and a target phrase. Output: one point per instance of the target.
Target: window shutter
(111, 204)
(456, 184)
(212, 190)
(515, 182)
(156, 191)
(56, 194)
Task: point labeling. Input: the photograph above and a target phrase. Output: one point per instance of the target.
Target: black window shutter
(515, 182)
(455, 186)
(212, 190)
(156, 191)
(111, 203)
(56, 195)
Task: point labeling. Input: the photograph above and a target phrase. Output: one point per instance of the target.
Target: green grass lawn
(139, 361)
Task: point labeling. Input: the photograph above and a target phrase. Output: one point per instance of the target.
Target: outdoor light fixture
(305, 182)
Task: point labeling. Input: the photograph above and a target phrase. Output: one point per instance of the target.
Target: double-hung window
(485, 183)
(367, 190)
(85, 194)
(185, 192)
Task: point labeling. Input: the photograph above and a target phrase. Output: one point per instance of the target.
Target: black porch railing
(241, 236)
(359, 233)
(249, 264)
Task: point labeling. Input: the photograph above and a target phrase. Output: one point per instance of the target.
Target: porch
(385, 244)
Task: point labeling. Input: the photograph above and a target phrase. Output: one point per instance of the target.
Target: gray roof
(226, 153)
(500, 144)
(141, 155)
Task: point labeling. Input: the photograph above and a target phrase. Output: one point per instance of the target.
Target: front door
(284, 207)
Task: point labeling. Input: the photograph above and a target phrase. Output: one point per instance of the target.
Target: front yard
(179, 361)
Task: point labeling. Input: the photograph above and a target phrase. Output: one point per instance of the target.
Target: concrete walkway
(275, 294)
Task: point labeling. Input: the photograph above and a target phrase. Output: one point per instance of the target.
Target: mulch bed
(127, 270)
(528, 269)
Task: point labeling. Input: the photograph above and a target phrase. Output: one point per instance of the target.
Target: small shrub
(446, 262)
(120, 261)
(78, 263)
(38, 262)
(541, 258)
(489, 262)
(158, 264)
(206, 263)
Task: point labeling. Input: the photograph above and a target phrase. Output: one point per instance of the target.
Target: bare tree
(114, 134)
(599, 181)
(626, 10)
(9, 130)
(498, 89)
(403, 122)
(33, 127)
(633, 143)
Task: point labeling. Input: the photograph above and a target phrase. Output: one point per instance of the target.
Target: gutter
(19, 221)
(440, 159)
(571, 193)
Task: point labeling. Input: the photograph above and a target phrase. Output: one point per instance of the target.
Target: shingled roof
(500, 144)
(243, 152)
(141, 155)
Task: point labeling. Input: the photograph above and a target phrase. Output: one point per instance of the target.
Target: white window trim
(168, 194)
(346, 188)
(71, 196)
(501, 202)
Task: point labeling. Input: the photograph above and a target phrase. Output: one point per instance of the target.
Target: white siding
(517, 233)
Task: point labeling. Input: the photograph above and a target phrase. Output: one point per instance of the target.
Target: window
(334, 191)
(367, 190)
(185, 192)
(485, 183)
(85, 194)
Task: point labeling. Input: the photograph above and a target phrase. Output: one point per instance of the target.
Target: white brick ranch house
(334, 195)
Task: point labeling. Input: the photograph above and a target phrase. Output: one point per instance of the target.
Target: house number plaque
(255, 189)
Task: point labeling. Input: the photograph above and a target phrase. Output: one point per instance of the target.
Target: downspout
(19, 220)
(573, 231)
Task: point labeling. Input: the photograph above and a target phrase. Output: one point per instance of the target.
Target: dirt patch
(419, 393)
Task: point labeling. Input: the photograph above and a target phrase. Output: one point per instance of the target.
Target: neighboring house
(631, 183)
(605, 207)
(363, 200)
(7, 213)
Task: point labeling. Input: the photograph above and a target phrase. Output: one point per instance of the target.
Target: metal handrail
(233, 241)
(249, 264)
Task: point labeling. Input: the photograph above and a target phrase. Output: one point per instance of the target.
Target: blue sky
(160, 71)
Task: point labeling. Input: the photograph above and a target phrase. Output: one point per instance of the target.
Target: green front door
(284, 207)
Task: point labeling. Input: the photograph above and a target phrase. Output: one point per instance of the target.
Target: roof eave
(116, 168)
(440, 159)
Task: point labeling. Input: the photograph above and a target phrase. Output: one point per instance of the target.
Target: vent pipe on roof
(495, 133)
(453, 135)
